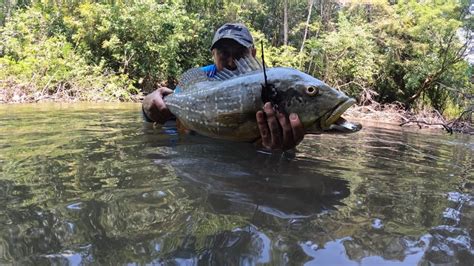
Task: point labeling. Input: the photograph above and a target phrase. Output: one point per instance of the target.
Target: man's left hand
(279, 132)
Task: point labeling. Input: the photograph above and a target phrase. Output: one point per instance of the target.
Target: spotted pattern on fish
(225, 106)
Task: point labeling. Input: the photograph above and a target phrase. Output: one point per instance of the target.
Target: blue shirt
(210, 71)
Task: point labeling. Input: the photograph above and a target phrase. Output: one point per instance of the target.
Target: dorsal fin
(244, 65)
(191, 77)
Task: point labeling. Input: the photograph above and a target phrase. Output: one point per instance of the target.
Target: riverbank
(385, 113)
(396, 114)
(21, 94)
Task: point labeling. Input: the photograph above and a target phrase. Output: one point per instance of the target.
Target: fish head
(318, 105)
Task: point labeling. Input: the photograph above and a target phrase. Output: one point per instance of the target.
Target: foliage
(147, 41)
(407, 51)
(36, 63)
(423, 51)
(345, 58)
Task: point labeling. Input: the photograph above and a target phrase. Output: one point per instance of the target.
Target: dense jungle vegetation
(407, 51)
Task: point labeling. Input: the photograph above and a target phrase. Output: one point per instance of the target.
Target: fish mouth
(332, 117)
(332, 122)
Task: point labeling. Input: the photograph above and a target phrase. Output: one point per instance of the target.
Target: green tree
(421, 50)
(408, 51)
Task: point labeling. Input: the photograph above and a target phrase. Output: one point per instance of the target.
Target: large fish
(224, 106)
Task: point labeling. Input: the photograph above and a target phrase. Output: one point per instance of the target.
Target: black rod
(263, 62)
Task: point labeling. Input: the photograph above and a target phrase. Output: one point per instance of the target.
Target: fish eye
(312, 91)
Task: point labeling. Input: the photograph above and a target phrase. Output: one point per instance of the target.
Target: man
(231, 42)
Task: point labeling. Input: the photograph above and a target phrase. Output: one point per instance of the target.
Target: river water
(93, 184)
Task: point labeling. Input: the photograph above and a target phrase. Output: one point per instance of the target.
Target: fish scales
(225, 106)
(228, 109)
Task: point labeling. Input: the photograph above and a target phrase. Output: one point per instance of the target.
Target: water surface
(92, 184)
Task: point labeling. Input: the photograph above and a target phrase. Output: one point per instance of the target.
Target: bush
(147, 41)
(37, 64)
(346, 57)
(408, 51)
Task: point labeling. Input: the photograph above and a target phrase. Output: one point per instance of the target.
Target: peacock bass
(225, 105)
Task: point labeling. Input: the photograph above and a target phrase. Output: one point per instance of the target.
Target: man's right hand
(154, 106)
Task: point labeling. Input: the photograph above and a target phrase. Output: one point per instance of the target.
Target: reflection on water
(92, 184)
(245, 181)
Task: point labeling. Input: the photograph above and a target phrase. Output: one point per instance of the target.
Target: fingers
(165, 91)
(296, 128)
(159, 103)
(273, 126)
(159, 111)
(160, 95)
(264, 131)
(286, 130)
(277, 131)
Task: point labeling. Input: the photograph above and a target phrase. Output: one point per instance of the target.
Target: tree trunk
(326, 9)
(285, 23)
(307, 24)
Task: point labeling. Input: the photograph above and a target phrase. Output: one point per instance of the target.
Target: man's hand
(154, 106)
(277, 131)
